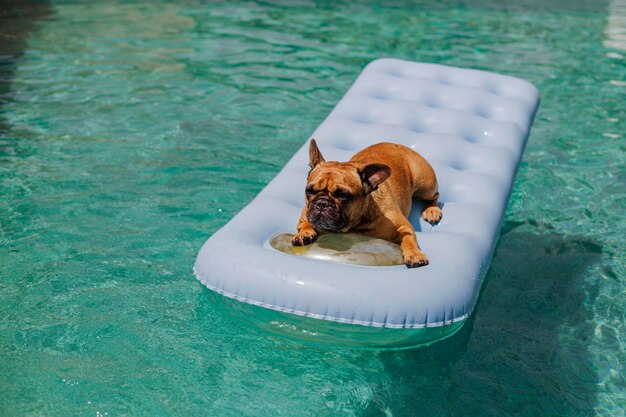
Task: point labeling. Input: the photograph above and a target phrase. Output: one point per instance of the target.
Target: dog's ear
(315, 156)
(373, 175)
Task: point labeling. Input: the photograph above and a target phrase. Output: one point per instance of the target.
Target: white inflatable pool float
(471, 126)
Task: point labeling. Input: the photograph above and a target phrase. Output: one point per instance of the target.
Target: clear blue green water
(131, 131)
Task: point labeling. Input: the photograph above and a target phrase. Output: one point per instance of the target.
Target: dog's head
(336, 192)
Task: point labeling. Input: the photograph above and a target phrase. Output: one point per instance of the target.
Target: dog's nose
(322, 203)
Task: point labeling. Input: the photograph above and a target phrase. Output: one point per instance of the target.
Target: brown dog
(370, 194)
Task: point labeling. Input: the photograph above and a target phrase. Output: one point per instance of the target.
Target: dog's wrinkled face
(336, 191)
(332, 190)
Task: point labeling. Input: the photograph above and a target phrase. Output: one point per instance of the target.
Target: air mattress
(472, 126)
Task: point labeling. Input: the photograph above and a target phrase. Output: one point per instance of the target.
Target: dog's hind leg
(425, 187)
(431, 212)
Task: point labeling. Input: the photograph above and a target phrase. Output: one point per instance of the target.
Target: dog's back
(411, 175)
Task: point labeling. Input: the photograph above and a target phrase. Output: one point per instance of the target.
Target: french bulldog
(370, 194)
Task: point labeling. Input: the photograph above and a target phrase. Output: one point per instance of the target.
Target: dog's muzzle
(324, 213)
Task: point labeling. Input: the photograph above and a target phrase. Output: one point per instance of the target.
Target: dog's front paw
(304, 237)
(432, 214)
(415, 260)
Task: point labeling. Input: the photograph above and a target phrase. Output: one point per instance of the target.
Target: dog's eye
(342, 195)
(309, 190)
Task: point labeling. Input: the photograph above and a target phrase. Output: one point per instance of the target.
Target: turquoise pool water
(131, 131)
